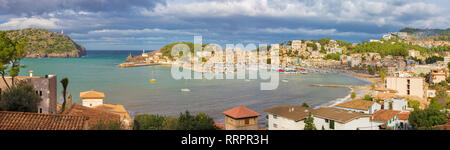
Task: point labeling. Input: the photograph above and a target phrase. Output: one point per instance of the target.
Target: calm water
(131, 87)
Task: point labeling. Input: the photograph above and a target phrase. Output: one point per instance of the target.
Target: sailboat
(185, 89)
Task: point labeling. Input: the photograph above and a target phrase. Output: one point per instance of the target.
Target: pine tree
(309, 123)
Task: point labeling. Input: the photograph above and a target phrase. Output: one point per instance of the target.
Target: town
(409, 91)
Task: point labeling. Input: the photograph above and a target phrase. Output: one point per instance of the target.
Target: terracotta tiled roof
(384, 115)
(240, 112)
(357, 104)
(34, 121)
(403, 115)
(92, 94)
(219, 125)
(295, 113)
(95, 115)
(339, 115)
(386, 89)
(115, 109)
(383, 96)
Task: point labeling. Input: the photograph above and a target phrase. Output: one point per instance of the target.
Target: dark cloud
(134, 24)
(37, 7)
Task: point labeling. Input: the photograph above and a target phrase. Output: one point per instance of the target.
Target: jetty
(125, 65)
(348, 86)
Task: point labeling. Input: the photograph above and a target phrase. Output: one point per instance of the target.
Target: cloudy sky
(150, 24)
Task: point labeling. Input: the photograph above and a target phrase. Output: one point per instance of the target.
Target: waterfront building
(406, 86)
(45, 86)
(287, 117)
(241, 118)
(363, 106)
(39, 121)
(92, 98)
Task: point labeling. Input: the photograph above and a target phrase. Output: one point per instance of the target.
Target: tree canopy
(21, 97)
(185, 121)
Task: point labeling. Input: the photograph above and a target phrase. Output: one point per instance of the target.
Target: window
(331, 124)
(40, 110)
(247, 121)
(326, 120)
(408, 92)
(275, 125)
(40, 93)
(275, 116)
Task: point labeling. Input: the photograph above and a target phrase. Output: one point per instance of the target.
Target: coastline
(359, 91)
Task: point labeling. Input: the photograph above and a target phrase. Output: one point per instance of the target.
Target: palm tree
(64, 82)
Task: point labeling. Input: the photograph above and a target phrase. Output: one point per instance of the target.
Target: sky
(151, 24)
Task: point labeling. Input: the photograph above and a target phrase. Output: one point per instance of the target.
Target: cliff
(45, 43)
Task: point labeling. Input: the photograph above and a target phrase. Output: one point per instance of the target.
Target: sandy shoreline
(359, 91)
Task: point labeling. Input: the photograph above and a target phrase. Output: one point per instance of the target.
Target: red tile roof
(219, 125)
(34, 121)
(241, 112)
(403, 115)
(95, 115)
(384, 115)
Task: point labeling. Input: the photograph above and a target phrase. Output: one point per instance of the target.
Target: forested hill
(45, 43)
(433, 34)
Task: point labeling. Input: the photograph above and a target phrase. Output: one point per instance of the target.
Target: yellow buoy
(152, 80)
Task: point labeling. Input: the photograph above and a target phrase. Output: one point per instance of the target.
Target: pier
(348, 86)
(124, 65)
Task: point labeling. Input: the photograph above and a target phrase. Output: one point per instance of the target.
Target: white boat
(285, 80)
(185, 90)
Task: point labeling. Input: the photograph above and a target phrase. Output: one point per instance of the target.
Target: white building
(397, 104)
(329, 118)
(144, 54)
(414, 53)
(296, 44)
(446, 60)
(386, 119)
(363, 106)
(287, 117)
(335, 50)
(412, 86)
(45, 86)
(92, 98)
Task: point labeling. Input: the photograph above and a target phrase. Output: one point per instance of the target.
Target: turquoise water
(131, 87)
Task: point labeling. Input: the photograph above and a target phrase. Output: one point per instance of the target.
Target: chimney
(31, 73)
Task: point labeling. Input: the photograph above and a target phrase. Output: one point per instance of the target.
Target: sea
(131, 87)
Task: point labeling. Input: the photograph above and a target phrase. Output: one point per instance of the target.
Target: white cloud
(38, 22)
(304, 31)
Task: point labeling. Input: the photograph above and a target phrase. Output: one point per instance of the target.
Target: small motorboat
(185, 90)
(152, 80)
(285, 80)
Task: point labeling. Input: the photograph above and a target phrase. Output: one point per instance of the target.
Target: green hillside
(45, 43)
